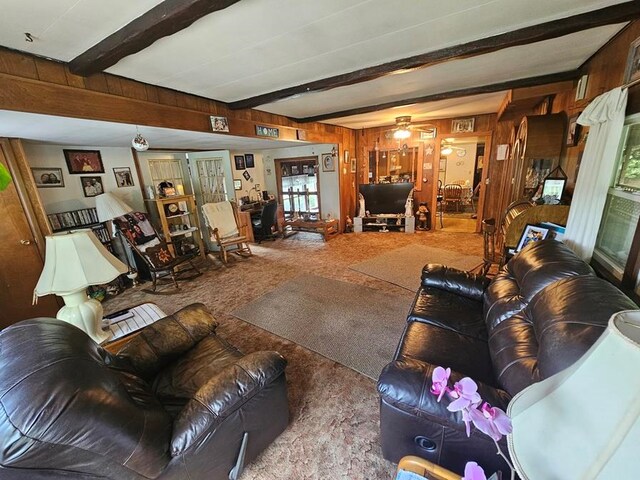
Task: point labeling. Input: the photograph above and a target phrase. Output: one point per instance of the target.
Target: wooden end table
(327, 228)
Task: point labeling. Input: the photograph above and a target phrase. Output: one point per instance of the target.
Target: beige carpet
(403, 266)
(334, 427)
(356, 326)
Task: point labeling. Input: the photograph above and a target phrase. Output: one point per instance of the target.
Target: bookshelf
(77, 219)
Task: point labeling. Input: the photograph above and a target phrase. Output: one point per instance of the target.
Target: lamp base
(84, 313)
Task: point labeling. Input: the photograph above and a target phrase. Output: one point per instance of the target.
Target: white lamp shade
(109, 207)
(74, 261)
(583, 422)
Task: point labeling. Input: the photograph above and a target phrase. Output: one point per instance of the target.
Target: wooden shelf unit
(188, 217)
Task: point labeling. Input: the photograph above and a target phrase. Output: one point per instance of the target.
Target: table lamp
(583, 422)
(73, 262)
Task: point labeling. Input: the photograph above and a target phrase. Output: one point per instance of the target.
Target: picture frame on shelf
(81, 162)
(573, 132)
(48, 177)
(463, 125)
(249, 161)
(552, 190)
(123, 177)
(632, 70)
(531, 233)
(239, 162)
(92, 186)
(328, 162)
(219, 124)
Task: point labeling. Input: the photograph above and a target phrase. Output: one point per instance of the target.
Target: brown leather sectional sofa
(535, 318)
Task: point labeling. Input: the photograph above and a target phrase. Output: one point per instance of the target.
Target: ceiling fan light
(446, 150)
(401, 134)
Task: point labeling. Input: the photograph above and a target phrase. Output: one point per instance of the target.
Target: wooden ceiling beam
(465, 92)
(163, 20)
(619, 13)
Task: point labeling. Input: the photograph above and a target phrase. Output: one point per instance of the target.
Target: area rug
(403, 266)
(354, 325)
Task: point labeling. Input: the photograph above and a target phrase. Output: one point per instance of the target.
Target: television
(385, 197)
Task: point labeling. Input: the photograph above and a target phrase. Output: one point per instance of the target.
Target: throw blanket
(220, 215)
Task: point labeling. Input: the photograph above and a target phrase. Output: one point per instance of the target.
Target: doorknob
(25, 242)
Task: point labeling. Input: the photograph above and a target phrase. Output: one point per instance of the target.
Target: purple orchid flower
(439, 381)
(491, 421)
(466, 395)
(473, 471)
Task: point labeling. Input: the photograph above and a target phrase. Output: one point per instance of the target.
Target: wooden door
(20, 260)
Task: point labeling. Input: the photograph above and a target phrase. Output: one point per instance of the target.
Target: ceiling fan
(404, 128)
(447, 148)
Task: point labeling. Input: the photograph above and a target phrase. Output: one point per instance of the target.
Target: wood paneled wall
(425, 191)
(37, 85)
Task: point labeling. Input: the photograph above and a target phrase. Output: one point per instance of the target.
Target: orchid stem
(513, 470)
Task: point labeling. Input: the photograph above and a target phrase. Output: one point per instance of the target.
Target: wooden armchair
(147, 245)
(222, 221)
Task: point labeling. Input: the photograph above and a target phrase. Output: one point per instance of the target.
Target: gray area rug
(354, 325)
(403, 266)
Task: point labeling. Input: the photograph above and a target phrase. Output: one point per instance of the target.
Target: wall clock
(461, 152)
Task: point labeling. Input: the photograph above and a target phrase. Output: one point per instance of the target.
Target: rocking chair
(146, 244)
(222, 220)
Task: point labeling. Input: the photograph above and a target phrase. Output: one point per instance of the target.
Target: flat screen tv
(385, 197)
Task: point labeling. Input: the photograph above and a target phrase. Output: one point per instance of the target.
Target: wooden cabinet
(536, 152)
(179, 223)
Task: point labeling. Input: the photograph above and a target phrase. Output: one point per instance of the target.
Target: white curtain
(605, 118)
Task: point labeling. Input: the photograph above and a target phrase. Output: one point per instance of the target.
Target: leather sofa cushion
(449, 310)
(438, 346)
(456, 281)
(539, 264)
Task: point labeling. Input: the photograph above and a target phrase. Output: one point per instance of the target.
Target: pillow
(159, 255)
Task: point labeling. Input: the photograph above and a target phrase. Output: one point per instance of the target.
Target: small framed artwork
(573, 132)
(239, 161)
(83, 161)
(249, 161)
(328, 163)
(92, 186)
(219, 124)
(632, 72)
(301, 134)
(123, 177)
(47, 177)
(346, 157)
(353, 165)
(427, 133)
(246, 175)
(552, 190)
(530, 234)
(237, 184)
(462, 125)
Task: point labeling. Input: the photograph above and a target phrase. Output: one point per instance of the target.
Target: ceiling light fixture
(446, 150)
(401, 134)
(139, 142)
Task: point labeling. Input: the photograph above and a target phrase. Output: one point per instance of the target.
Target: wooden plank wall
(426, 191)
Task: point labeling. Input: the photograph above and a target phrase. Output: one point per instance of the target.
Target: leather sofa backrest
(66, 401)
(538, 265)
(554, 330)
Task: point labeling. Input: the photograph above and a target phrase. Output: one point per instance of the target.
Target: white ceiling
(74, 131)
(258, 46)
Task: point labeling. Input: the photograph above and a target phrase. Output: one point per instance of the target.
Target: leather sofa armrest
(222, 395)
(162, 342)
(406, 384)
(456, 281)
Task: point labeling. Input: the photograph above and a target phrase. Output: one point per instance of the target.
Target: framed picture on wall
(573, 133)
(83, 161)
(123, 177)
(219, 124)
(462, 125)
(237, 184)
(239, 161)
(353, 165)
(246, 175)
(47, 177)
(328, 163)
(632, 71)
(249, 162)
(92, 186)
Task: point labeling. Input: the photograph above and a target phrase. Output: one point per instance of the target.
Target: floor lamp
(108, 207)
(73, 262)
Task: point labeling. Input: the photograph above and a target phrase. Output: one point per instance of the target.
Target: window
(298, 187)
(622, 209)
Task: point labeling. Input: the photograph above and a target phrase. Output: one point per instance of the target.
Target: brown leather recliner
(539, 315)
(176, 402)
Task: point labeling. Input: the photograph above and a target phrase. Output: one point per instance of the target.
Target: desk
(327, 228)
